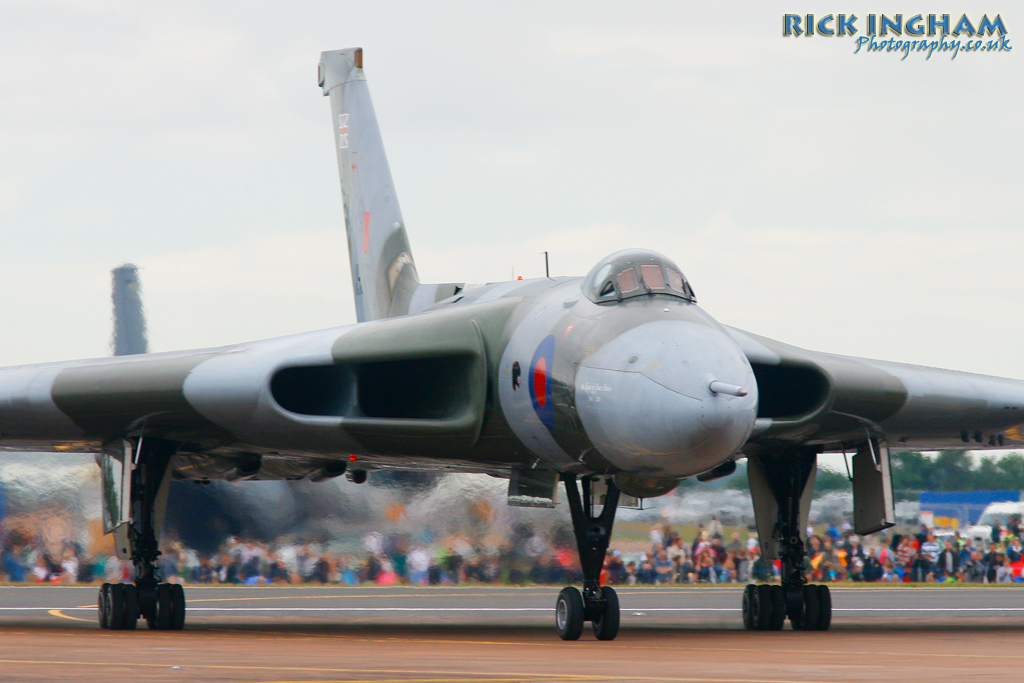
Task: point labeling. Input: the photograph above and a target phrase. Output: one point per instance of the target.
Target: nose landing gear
(597, 604)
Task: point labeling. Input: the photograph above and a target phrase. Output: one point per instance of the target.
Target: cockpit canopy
(635, 272)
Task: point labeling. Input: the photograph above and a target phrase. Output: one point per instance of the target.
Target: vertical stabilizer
(383, 274)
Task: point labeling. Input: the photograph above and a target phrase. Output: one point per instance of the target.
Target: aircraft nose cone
(646, 402)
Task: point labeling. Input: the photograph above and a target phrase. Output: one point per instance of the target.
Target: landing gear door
(116, 473)
(873, 506)
(767, 500)
(766, 510)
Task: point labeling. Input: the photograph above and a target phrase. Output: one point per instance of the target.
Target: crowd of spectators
(833, 554)
(383, 560)
(836, 554)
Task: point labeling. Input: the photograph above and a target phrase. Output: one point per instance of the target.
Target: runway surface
(456, 635)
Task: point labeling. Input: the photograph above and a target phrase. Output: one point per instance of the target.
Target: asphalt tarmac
(473, 633)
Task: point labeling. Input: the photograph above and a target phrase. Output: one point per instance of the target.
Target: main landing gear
(597, 604)
(765, 608)
(120, 608)
(162, 605)
(809, 607)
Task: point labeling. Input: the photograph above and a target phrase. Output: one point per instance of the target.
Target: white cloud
(10, 193)
(855, 203)
(267, 286)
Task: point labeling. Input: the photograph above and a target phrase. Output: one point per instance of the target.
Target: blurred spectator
(664, 569)
(715, 528)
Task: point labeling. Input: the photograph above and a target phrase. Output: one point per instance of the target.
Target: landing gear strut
(597, 604)
(162, 605)
(808, 607)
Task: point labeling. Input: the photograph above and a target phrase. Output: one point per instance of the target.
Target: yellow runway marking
(623, 646)
(551, 677)
(58, 613)
(480, 678)
(474, 679)
(483, 677)
(450, 676)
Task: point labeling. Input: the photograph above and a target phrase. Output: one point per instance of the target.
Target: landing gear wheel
(778, 619)
(824, 608)
(750, 607)
(164, 607)
(764, 607)
(606, 626)
(115, 606)
(569, 614)
(104, 605)
(131, 607)
(809, 620)
(177, 607)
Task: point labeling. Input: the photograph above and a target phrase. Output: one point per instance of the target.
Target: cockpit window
(627, 281)
(635, 273)
(652, 276)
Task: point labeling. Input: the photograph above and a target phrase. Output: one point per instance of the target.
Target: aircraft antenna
(547, 271)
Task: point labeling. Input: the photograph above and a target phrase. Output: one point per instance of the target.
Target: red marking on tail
(366, 232)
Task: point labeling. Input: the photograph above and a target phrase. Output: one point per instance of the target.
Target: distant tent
(964, 506)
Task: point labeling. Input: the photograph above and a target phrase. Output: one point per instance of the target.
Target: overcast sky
(855, 203)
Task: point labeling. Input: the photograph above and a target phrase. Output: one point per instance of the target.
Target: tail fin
(129, 318)
(383, 273)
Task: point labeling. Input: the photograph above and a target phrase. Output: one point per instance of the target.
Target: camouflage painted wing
(835, 402)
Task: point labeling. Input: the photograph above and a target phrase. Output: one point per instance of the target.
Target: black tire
(606, 626)
(810, 621)
(796, 612)
(115, 606)
(569, 614)
(778, 608)
(164, 606)
(103, 605)
(750, 607)
(824, 608)
(177, 607)
(764, 607)
(131, 607)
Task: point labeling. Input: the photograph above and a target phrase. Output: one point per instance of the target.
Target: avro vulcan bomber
(614, 385)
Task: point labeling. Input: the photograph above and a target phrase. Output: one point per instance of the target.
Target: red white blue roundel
(539, 381)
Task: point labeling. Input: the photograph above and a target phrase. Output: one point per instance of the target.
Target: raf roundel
(540, 382)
